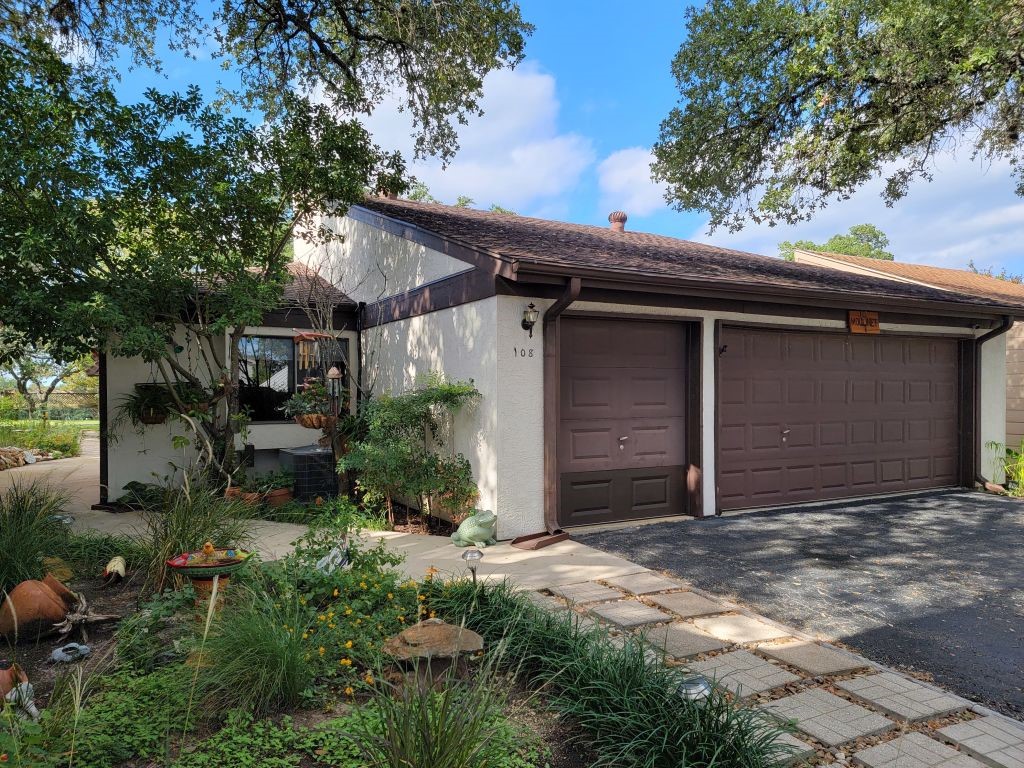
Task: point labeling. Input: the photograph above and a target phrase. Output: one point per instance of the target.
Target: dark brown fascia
(533, 272)
(461, 251)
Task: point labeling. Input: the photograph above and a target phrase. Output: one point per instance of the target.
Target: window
(270, 368)
(266, 376)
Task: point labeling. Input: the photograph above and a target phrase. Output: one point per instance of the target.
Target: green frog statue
(479, 529)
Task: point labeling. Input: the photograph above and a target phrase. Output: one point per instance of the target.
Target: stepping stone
(801, 749)
(681, 641)
(629, 613)
(739, 629)
(643, 583)
(915, 750)
(902, 697)
(586, 592)
(812, 658)
(547, 602)
(828, 718)
(993, 740)
(742, 673)
(687, 604)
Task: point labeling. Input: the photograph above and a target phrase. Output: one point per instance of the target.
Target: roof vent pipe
(618, 221)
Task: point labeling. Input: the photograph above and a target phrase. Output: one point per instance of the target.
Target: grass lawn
(54, 436)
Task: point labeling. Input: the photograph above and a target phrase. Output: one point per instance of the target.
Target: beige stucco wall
(369, 264)
(1015, 385)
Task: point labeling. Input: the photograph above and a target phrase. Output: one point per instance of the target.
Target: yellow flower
(321, 617)
(402, 619)
(390, 596)
(368, 679)
(431, 571)
(359, 621)
(421, 598)
(433, 615)
(348, 611)
(322, 650)
(305, 635)
(348, 690)
(331, 626)
(335, 593)
(348, 644)
(346, 662)
(362, 585)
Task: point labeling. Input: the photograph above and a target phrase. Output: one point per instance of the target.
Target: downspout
(1002, 328)
(360, 324)
(552, 389)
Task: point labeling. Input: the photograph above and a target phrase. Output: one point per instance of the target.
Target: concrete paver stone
(802, 750)
(742, 673)
(914, 750)
(829, 718)
(682, 641)
(739, 628)
(629, 613)
(812, 658)
(586, 592)
(993, 740)
(547, 602)
(644, 583)
(687, 604)
(902, 697)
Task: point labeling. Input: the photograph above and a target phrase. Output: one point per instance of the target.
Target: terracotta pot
(234, 492)
(32, 606)
(10, 677)
(278, 497)
(60, 590)
(314, 420)
(252, 498)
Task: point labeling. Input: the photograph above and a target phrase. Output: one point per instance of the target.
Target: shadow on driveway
(933, 582)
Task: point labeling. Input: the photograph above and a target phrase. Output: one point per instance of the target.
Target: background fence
(62, 406)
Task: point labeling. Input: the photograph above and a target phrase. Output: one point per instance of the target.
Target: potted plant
(147, 404)
(456, 492)
(195, 399)
(277, 488)
(310, 406)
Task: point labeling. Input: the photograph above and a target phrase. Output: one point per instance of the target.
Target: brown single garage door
(805, 416)
(621, 438)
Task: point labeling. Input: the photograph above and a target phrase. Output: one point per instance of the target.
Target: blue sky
(567, 136)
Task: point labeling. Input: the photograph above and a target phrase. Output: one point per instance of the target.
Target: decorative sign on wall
(860, 321)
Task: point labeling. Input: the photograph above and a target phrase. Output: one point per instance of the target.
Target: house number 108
(522, 352)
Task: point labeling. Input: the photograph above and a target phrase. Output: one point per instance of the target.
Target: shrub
(41, 436)
(88, 551)
(152, 636)
(257, 658)
(29, 531)
(626, 704)
(186, 519)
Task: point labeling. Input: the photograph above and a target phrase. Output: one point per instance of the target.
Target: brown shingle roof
(577, 246)
(959, 280)
(306, 285)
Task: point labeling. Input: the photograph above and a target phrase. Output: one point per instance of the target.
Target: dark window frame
(291, 372)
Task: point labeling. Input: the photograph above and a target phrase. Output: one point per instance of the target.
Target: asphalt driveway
(930, 582)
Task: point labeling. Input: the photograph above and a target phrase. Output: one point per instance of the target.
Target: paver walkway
(929, 581)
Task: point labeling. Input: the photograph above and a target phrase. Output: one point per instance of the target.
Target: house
(958, 281)
(665, 377)
(627, 375)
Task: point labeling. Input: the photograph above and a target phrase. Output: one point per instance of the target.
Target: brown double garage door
(801, 416)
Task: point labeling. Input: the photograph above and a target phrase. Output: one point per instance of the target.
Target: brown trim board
(451, 291)
(694, 418)
(104, 430)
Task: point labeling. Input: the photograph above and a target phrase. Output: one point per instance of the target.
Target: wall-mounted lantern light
(530, 315)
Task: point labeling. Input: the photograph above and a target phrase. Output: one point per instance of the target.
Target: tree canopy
(865, 240)
(787, 105)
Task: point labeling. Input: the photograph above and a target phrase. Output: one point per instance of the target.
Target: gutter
(999, 330)
(551, 534)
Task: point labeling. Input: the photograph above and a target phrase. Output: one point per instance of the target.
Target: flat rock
(994, 740)
(629, 613)
(739, 629)
(812, 658)
(829, 718)
(903, 698)
(433, 639)
(687, 604)
(681, 641)
(586, 592)
(914, 750)
(742, 673)
(643, 583)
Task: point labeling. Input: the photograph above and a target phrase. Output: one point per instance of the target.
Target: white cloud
(513, 155)
(967, 212)
(624, 178)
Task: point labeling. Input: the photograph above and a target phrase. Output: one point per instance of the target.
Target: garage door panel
(883, 416)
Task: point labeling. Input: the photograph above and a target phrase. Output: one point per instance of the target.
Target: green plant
(29, 531)
(272, 481)
(188, 517)
(626, 704)
(88, 551)
(23, 743)
(311, 397)
(452, 727)
(42, 436)
(257, 658)
(453, 484)
(397, 454)
(145, 404)
(156, 634)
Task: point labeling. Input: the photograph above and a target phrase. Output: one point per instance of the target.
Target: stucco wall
(992, 415)
(369, 264)
(1015, 385)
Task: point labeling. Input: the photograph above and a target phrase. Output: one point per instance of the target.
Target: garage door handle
(785, 432)
(621, 439)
